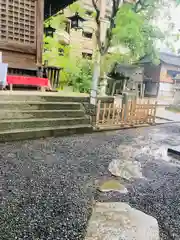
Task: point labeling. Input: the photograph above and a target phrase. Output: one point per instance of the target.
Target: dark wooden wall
(152, 71)
(151, 79)
(21, 32)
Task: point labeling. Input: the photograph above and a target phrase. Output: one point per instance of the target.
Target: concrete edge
(130, 127)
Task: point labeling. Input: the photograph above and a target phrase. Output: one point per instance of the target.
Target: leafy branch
(141, 5)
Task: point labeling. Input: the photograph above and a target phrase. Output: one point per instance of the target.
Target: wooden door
(21, 35)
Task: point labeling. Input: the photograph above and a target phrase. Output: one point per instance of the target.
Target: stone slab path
(47, 185)
(168, 115)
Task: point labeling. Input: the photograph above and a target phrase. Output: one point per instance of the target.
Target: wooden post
(154, 117)
(125, 104)
(113, 89)
(124, 84)
(104, 113)
(143, 90)
(148, 112)
(98, 112)
(113, 115)
(39, 30)
(11, 87)
(109, 112)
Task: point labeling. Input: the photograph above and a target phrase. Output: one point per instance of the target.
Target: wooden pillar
(124, 84)
(113, 89)
(125, 105)
(39, 30)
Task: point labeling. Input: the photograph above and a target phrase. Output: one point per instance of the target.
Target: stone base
(115, 221)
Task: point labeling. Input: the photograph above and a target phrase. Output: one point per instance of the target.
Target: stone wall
(166, 89)
(91, 110)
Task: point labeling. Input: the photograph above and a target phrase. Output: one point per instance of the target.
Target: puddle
(153, 151)
(173, 141)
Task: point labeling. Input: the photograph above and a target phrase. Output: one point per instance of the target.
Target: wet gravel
(47, 185)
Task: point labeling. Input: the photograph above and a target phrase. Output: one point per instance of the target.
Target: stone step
(34, 105)
(48, 97)
(41, 122)
(33, 133)
(25, 114)
(41, 97)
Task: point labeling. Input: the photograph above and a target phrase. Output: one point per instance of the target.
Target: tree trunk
(103, 77)
(95, 80)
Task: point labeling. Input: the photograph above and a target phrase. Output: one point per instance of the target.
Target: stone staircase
(28, 117)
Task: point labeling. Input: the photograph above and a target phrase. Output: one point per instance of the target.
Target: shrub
(82, 78)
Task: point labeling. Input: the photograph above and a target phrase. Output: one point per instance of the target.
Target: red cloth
(22, 80)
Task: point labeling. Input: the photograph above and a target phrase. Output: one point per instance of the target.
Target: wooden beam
(39, 30)
(17, 47)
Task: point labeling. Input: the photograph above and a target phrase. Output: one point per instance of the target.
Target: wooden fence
(132, 114)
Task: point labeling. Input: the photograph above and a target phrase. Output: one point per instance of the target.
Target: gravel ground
(46, 185)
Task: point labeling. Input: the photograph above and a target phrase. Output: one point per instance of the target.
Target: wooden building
(124, 77)
(159, 79)
(21, 33)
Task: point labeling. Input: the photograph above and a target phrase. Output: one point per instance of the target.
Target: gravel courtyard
(47, 185)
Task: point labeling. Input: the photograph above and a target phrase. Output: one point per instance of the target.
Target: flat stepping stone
(116, 220)
(126, 169)
(112, 185)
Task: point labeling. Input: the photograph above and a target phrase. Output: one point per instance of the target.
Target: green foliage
(56, 21)
(68, 64)
(134, 31)
(75, 71)
(128, 29)
(76, 7)
(108, 61)
(82, 78)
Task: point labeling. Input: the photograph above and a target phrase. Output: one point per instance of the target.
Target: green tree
(76, 72)
(81, 79)
(130, 25)
(136, 32)
(58, 55)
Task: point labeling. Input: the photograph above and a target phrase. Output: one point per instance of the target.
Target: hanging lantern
(76, 21)
(49, 31)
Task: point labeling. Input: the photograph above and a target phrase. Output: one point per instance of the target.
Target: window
(87, 34)
(45, 46)
(61, 52)
(17, 21)
(89, 13)
(87, 55)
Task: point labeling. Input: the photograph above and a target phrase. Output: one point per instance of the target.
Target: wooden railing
(131, 114)
(53, 74)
